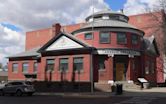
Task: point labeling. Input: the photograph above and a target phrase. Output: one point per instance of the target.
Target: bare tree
(158, 14)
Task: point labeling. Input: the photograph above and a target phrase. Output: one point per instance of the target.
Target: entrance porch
(117, 68)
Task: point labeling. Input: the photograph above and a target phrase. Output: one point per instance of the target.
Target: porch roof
(30, 53)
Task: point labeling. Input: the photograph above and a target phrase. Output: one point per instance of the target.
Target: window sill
(77, 72)
(34, 72)
(102, 70)
(50, 71)
(88, 39)
(122, 43)
(25, 72)
(15, 72)
(63, 71)
(104, 42)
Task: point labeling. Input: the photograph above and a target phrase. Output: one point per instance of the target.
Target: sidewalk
(153, 92)
(77, 94)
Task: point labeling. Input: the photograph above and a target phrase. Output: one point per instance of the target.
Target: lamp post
(91, 55)
(91, 72)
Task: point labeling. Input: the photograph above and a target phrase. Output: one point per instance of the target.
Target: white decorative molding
(112, 52)
(64, 43)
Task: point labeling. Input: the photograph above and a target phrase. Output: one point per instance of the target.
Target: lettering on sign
(118, 52)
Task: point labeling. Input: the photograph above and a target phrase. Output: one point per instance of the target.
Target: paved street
(149, 96)
(52, 99)
(59, 100)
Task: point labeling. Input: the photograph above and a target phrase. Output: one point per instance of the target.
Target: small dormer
(105, 17)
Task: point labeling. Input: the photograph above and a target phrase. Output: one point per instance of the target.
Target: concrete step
(131, 86)
(104, 86)
(127, 85)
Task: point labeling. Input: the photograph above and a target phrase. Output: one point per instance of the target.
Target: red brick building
(106, 48)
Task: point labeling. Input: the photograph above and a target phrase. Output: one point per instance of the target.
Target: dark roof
(67, 35)
(29, 53)
(150, 45)
(108, 23)
(78, 40)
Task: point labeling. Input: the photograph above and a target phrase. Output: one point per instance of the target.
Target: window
(152, 67)
(35, 67)
(15, 68)
(25, 67)
(78, 64)
(121, 38)
(114, 17)
(90, 20)
(134, 64)
(104, 37)
(98, 18)
(63, 64)
(147, 67)
(88, 36)
(101, 63)
(134, 39)
(50, 65)
(105, 17)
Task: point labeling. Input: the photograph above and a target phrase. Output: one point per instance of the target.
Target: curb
(79, 95)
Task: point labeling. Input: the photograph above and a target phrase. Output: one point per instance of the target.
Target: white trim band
(112, 52)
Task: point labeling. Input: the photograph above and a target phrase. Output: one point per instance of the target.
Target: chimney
(56, 29)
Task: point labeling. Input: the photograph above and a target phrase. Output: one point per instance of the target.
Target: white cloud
(34, 14)
(133, 7)
(43, 13)
(12, 42)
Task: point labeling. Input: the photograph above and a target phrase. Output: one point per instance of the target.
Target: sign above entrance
(112, 52)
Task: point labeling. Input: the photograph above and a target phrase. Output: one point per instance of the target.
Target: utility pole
(91, 56)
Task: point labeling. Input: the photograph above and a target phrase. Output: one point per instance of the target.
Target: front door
(120, 71)
(120, 67)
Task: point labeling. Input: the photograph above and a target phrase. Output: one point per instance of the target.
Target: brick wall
(19, 75)
(56, 74)
(40, 37)
(113, 41)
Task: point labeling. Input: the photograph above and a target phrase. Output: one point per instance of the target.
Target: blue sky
(115, 4)
(11, 26)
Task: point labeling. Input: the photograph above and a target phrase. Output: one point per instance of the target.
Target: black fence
(45, 86)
